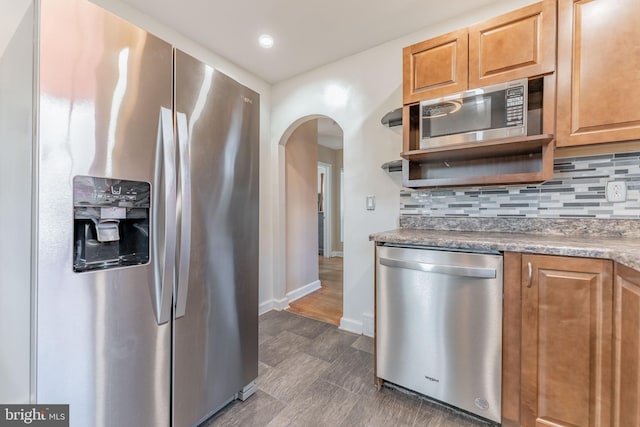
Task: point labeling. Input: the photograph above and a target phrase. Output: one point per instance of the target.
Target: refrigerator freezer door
(99, 347)
(216, 341)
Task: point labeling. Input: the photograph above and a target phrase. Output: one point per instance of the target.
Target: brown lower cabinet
(571, 353)
(626, 348)
(566, 338)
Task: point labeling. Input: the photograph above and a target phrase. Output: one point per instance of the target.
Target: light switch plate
(371, 203)
(616, 191)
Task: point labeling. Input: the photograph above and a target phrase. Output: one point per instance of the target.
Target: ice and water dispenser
(111, 223)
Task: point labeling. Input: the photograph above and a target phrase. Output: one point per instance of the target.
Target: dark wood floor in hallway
(325, 304)
(311, 374)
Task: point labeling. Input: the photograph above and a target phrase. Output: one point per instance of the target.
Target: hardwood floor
(325, 304)
(311, 374)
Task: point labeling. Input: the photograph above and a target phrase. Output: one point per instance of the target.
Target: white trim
(351, 325)
(283, 304)
(265, 307)
(273, 304)
(328, 195)
(342, 203)
(280, 234)
(280, 304)
(302, 291)
(338, 254)
(367, 325)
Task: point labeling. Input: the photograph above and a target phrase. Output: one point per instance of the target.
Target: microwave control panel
(515, 99)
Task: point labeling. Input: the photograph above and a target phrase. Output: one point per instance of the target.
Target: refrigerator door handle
(164, 252)
(185, 215)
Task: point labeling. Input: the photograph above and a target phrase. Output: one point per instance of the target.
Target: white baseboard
(280, 304)
(265, 307)
(367, 325)
(273, 304)
(302, 291)
(351, 325)
(283, 304)
(337, 254)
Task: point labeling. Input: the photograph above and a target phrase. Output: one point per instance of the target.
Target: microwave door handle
(185, 215)
(451, 270)
(164, 252)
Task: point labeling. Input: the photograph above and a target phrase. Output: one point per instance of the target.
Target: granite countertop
(622, 249)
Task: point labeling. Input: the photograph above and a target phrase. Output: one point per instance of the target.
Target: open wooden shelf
(496, 148)
(504, 161)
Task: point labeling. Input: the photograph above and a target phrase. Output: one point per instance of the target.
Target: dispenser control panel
(92, 191)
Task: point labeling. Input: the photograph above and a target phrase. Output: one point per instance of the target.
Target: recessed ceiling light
(265, 41)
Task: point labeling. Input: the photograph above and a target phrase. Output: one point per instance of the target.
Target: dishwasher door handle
(452, 270)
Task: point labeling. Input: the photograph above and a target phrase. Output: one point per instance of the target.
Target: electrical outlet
(616, 191)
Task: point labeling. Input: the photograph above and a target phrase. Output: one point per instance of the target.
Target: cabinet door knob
(530, 279)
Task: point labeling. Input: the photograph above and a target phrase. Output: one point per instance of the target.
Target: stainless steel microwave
(491, 112)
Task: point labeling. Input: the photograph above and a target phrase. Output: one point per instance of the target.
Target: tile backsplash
(577, 190)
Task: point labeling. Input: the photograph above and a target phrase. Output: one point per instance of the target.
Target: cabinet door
(435, 67)
(598, 71)
(566, 341)
(626, 350)
(513, 46)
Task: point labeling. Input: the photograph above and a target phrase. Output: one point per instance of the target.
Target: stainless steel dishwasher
(439, 325)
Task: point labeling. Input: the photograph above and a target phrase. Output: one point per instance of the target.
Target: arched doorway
(311, 169)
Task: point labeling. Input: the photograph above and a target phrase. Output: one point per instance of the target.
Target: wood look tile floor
(311, 374)
(325, 304)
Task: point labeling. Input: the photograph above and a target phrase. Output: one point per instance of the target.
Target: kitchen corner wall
(577, 190)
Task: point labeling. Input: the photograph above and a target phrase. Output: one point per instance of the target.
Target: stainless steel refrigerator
(134, 287)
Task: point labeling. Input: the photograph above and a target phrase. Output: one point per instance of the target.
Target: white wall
(268, 155)
(372, 84)
(16, 115)
(11, 16)
(302, 207)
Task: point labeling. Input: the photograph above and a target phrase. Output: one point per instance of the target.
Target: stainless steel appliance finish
(216, 341)
(99, 346)
(482, 114)
(439, 325)
(123, 345)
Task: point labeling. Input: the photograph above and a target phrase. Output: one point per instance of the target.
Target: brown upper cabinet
(519, 44)
(515, 45)
(435, 67)
(598, 71)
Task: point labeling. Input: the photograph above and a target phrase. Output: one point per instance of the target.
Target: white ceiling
(307, 34)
